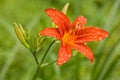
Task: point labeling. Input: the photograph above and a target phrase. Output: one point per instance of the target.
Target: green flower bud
(20, 34)
(38, 41)
(65, 8)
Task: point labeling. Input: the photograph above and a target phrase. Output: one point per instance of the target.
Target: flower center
(69, 38)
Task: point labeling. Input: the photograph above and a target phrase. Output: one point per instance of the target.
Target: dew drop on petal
(100, 38)
(53, 14)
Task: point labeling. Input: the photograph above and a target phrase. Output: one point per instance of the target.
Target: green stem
(44, 56)
(39, 68)
(36, 60)
(46, 64)
(35, 57)
(34, 54)
(36, 72)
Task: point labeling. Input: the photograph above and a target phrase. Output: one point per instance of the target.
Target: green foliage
(16, 62)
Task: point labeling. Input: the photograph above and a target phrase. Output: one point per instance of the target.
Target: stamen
(77, 26)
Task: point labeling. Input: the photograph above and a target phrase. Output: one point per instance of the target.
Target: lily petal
(85, 50)
(59, 19)
(64, 54)
(91, 34)
(53, 32)
(80, 20)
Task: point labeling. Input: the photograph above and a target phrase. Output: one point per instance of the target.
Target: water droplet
(53, 14)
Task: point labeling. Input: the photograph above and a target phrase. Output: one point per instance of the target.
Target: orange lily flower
(72, 36)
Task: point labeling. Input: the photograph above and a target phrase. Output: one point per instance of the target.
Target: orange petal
(91, 34)
(59, 19)
(85, 50)
(53, 32)
(64, 54)
(80, 20)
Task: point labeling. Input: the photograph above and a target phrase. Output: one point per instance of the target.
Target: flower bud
(20, 34)
(38, 41)
(65, 8)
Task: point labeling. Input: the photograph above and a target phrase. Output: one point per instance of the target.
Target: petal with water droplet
(91, 34)
(64, 54)
(53, 32)
(85, 50)
(60, 19)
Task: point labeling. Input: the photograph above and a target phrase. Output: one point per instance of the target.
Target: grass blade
(112, 14)
(107, 62)
(8, 62)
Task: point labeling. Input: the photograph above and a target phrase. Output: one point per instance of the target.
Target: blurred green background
(17, 63)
